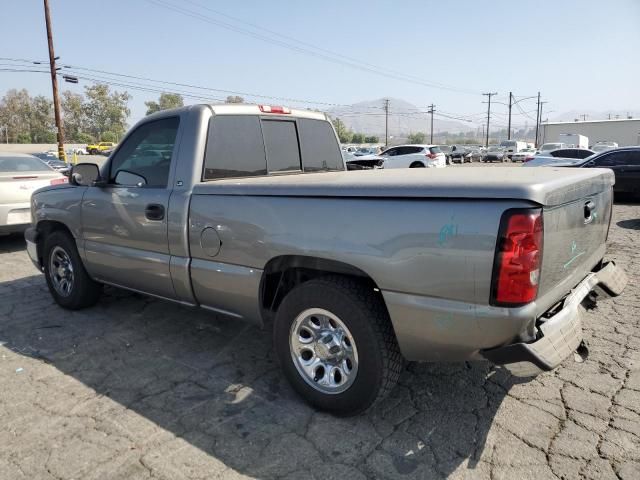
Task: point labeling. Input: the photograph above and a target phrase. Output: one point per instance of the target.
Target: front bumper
(560, 335)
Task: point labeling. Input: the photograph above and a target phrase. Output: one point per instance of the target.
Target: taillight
(527, 159)
(516, 269)
(59, 181)
(431, 155)
(273, 109)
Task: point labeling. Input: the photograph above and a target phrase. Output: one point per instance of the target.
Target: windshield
(495, 148)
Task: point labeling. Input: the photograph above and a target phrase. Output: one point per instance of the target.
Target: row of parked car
(419, 156)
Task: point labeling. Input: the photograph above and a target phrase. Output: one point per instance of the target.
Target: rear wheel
(417, 165)
(335, 343)
(67, 279)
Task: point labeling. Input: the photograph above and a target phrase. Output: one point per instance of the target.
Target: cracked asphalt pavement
(136, 388)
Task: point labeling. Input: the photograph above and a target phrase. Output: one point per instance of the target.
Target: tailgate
(574, 241)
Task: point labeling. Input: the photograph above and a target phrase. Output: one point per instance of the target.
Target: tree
(75, 117)
(15, 109)
(357, 138)
(109, 137)
(234, 99)
(371, 139)
(165, 102)
(418, 137)
(106, 111)
(344, 134)
(42, 127)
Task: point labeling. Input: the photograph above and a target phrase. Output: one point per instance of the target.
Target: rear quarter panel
(437, 248)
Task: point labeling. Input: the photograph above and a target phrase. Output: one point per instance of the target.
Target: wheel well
(45, 228)
(415, 164)
(282, 274)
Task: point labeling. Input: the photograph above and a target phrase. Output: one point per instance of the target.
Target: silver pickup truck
(247, 211)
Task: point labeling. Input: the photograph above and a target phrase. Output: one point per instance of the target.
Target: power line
(75, 68)
(315, 47)
(330, 58)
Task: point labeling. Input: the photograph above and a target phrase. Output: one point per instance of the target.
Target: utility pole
(432, 108)
(584, 117)
(489, 113)
(510, 105)
(541, 107)
(537, 120)
(54, 83)
(386, 122)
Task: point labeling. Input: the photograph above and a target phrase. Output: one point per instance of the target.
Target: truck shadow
(633, 224)
(214, 383)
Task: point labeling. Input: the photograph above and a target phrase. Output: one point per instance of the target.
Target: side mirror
(124, 177)
(84, 174)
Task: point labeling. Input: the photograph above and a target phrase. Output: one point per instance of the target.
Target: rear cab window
(253, 145)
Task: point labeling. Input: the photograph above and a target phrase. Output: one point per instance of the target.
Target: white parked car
(20, 175)
(413, 156)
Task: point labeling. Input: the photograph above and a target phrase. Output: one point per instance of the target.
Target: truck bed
(544, 186)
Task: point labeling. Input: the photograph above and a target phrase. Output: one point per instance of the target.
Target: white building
(624, 132)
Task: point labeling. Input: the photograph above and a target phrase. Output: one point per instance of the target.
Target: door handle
(154, 211)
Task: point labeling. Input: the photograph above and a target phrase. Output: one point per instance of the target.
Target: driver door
(125, 219)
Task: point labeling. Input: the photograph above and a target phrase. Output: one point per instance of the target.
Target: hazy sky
(581, 54)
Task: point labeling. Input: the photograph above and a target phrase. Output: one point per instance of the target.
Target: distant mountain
(369, 117)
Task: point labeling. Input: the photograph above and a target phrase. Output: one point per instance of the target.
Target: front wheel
(335, 343)
(67, 279)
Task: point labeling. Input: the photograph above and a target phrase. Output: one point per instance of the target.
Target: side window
(611, 160)
(633, 158)
(146, 153)
(320, 150)
(281, 143)
(392, 152)
(410, 150)
(559, 153)
(234, 148)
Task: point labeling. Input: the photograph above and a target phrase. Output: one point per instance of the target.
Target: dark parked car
(625, 163)
(458, 153)
(473, 153)
(495, 153)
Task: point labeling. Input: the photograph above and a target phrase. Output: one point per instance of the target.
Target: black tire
(417, 165)
(84, 292)
(365, 315)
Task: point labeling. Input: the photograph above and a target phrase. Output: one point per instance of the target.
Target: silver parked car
(20, 175)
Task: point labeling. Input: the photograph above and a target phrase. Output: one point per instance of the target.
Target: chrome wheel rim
(323, 351)
(61, 271)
